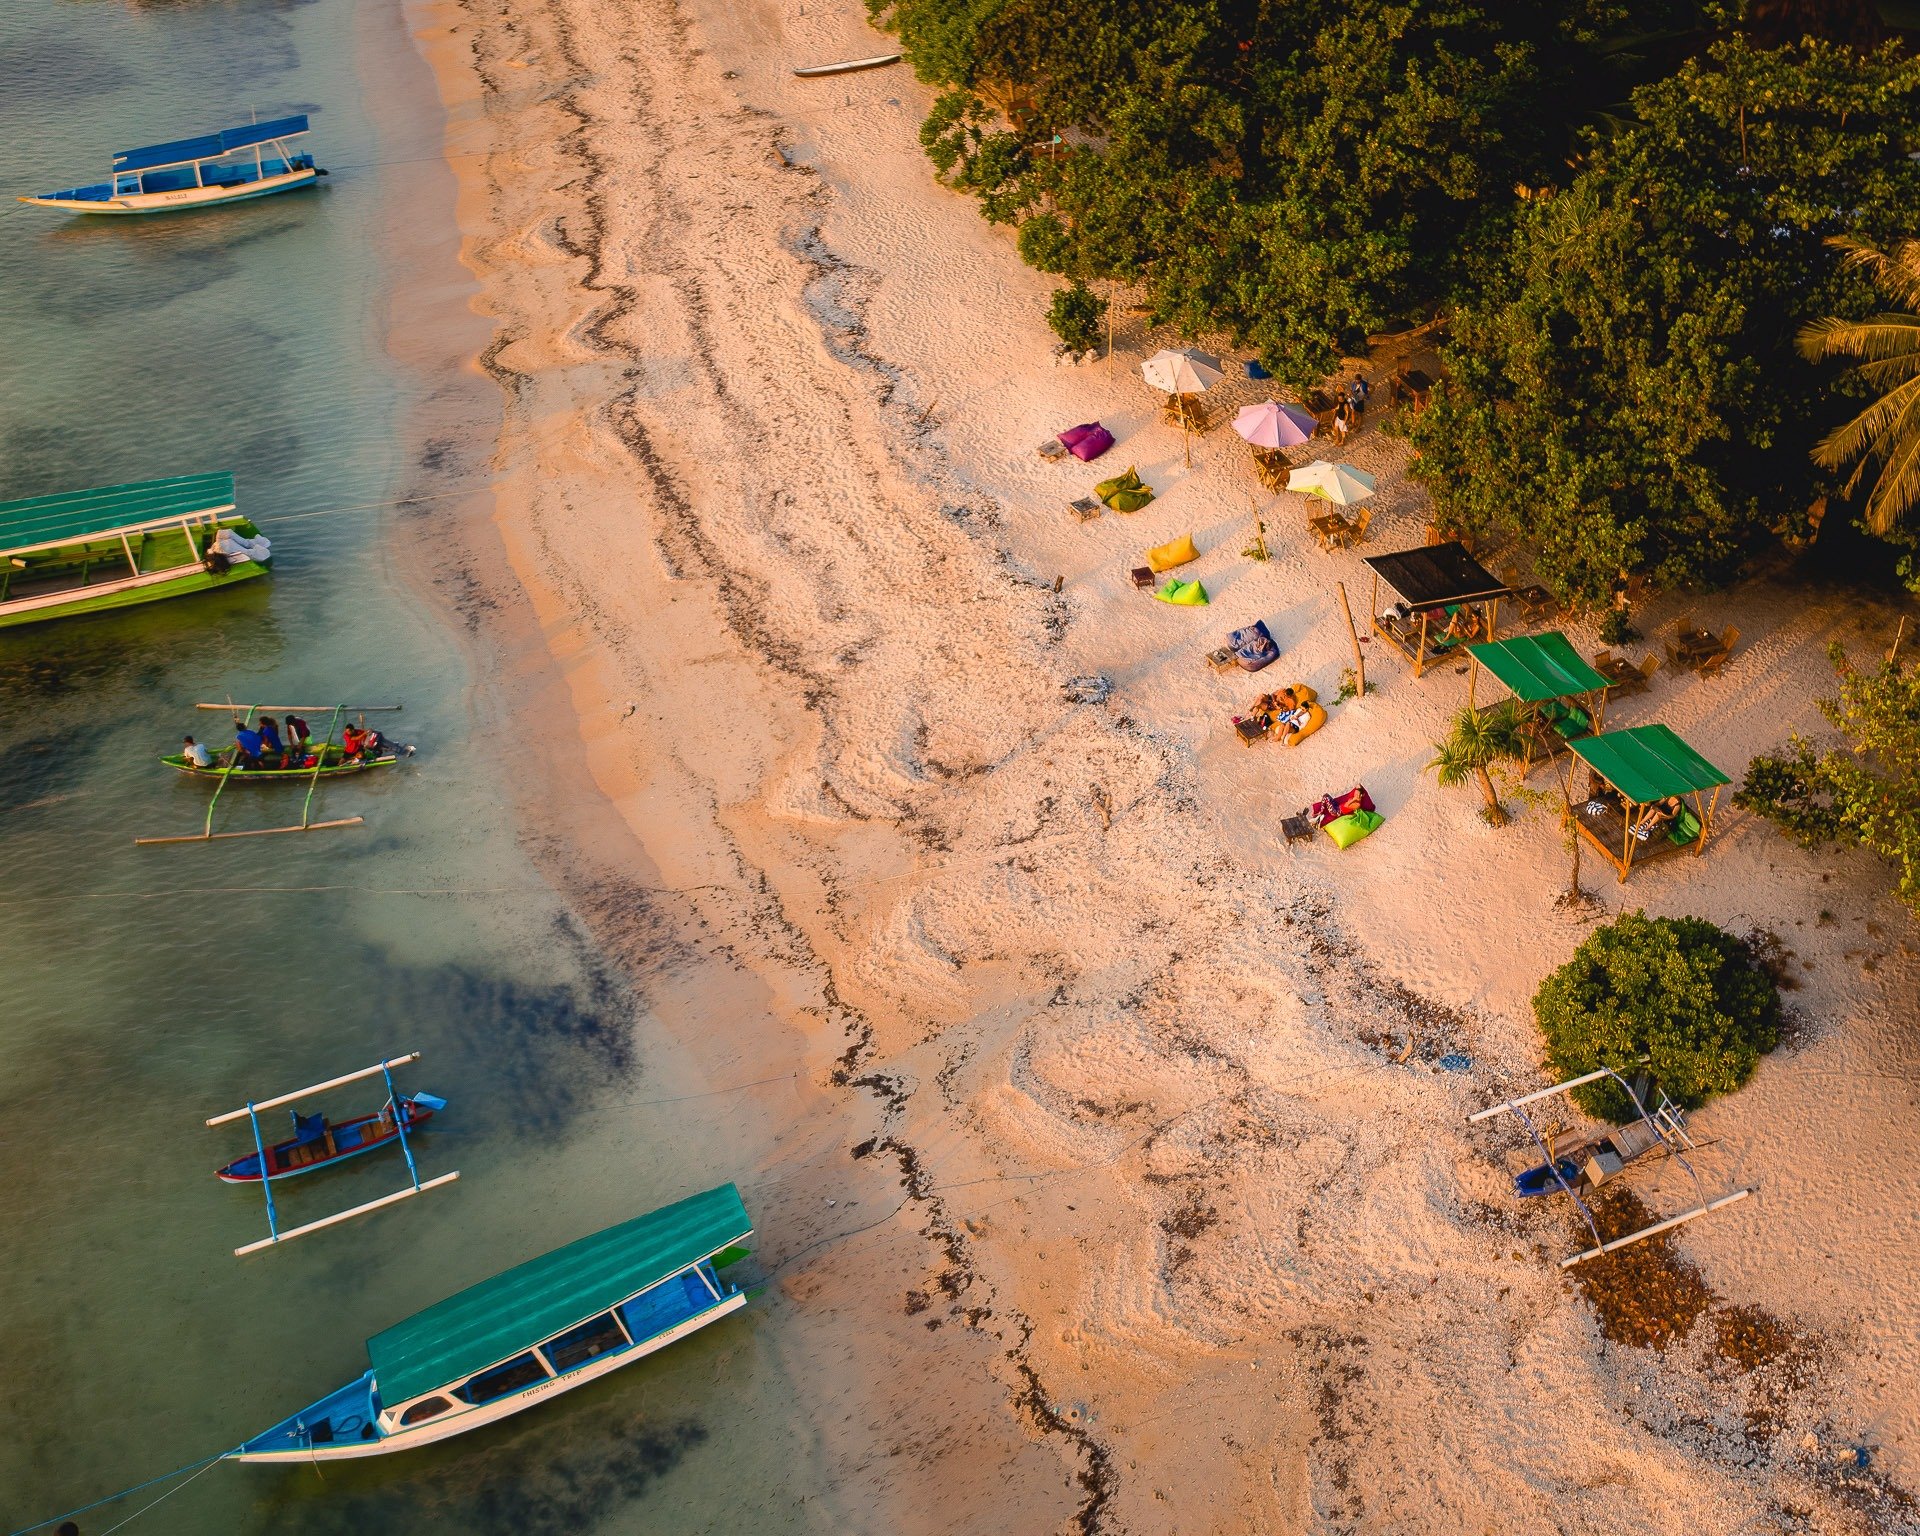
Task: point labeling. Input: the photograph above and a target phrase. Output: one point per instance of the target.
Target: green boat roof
(1538, 667)
(1648, 763)
(41, 522)
(498, 1318)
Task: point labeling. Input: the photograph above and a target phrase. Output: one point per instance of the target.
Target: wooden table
(1693, 646)
(1331, 530)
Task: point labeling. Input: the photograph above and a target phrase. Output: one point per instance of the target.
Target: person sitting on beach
(248, 743)
(196, 755)
(270, 736)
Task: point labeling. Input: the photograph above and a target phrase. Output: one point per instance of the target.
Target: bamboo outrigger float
(400, 1114)
(89, 551)
(329, 761)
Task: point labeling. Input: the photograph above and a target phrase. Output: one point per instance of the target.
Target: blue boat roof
(207, 146)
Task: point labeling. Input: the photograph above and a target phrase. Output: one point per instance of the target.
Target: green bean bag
(1184, 594)
(1348, 830)
(1125, 493)
(1686, 827)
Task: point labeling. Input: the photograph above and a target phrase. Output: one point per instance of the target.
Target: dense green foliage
(1866, 791)
(1679, 991)
(1295, 175)
(1076, 315)
(1629, 391)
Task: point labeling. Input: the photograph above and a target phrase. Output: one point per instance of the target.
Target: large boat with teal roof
(531, 1333)
(87, 551)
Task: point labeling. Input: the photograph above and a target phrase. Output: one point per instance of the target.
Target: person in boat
(297, 738)
(196, 755)
(248, 743)
(270, 738)
(355, 742)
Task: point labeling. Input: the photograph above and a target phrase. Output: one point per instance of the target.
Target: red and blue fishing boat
(318, 1142)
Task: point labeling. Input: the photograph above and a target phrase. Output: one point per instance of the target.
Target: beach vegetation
(1863, 790)
(1628, 390)
(1478, 741)
(1077, 314)
(1688, 997)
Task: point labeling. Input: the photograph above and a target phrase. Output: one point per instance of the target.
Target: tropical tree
(1865, 790)
(1887, 432)
(1625, 388)
(1476, 743)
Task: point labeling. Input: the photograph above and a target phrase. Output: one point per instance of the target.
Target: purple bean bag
(1087, 441)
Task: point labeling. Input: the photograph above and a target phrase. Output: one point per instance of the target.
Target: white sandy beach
(1151, 1207)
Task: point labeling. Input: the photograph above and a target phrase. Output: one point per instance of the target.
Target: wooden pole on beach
(1359, 656)
(1898, 635)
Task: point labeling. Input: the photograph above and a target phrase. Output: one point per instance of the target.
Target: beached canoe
(334, 764)
(317, 1143)
(848, 66)
(530, 1333)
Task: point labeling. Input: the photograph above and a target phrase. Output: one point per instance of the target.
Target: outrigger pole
(251, 1113)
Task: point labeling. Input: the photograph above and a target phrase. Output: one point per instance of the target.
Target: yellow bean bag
(1316, 716)
(1179, 552)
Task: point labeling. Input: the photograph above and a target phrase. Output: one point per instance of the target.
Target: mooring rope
(195, 1467)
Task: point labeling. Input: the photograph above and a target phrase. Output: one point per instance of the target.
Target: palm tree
(1477, 741)
(1887, 432)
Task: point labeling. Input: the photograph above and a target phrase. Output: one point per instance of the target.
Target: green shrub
(1677, 990)
(1076, 315)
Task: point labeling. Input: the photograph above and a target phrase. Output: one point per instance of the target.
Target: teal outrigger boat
(529, 1334)
(88, 551)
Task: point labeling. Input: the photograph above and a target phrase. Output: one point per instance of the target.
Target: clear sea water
(148, 988)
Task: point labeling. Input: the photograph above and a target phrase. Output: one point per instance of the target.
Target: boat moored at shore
(225, 167)
(87, 551)
(530, 1333)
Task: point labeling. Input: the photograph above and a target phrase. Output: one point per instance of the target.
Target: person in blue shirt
(249, 742)
(270, 736)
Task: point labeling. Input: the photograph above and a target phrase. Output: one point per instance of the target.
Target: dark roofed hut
(1560, 695)
(1644, 767)
(1437, 583)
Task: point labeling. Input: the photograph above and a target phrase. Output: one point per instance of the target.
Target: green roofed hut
(1448, 599)
(1639, 784)
(530, 1333)
(87, 551)
(1561, 696)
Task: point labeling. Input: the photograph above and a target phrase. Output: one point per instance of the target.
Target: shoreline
(1101, 1044)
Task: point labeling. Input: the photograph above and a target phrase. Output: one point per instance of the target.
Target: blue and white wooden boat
(529, 1334)
(225, 167)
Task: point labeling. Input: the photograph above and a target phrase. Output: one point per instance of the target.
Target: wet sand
(1104, 1165)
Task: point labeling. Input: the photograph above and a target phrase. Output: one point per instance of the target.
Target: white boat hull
(490, 1413)
(184, 198)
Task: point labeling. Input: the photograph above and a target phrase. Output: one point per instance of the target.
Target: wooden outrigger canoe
(328, 762)
(320, 1143)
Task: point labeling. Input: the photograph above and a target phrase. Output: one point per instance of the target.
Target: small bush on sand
(1678, 990)
(1076, 315)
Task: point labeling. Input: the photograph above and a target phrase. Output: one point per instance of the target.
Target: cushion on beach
(1087, 441)
(1178, 551)
(1253, 646)
(1185, 594)
(1125, 493)
(1348, 830)
(1686, 827)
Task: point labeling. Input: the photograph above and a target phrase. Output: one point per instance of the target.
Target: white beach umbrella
(1341, 484)
(1181, 371)
(1272, 425)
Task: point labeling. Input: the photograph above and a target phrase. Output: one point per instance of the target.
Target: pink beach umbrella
(1272, 425)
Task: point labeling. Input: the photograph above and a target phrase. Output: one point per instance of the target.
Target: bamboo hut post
(1420, 652)
(1359, 656)
(1626, 837)
(1473, 678)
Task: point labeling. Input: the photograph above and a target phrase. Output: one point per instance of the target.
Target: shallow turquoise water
(149, 988)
